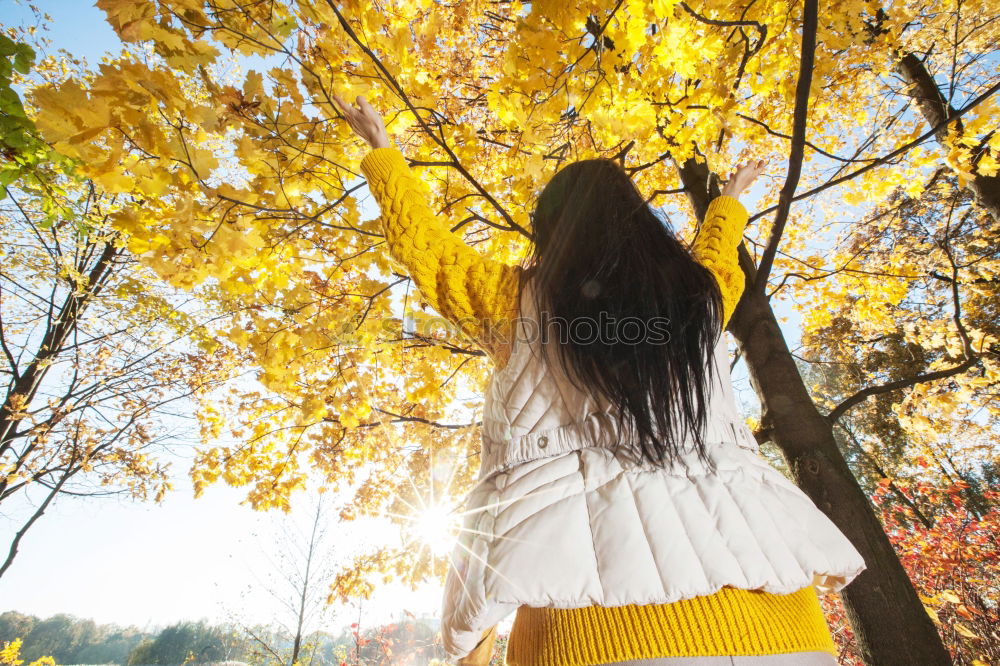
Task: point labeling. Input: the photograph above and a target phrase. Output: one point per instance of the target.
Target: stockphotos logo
(605, 330)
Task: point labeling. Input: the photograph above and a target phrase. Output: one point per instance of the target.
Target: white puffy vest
(560, 518)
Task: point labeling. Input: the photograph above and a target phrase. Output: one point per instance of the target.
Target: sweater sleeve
(474, 292)
(482, 654)
(715, 248)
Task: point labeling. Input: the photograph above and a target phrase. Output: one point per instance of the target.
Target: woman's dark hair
(599, 247)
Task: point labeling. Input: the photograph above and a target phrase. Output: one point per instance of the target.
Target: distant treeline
(70, 640)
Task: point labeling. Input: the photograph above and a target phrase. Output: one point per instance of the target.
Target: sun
(435, 526)
(432, 519)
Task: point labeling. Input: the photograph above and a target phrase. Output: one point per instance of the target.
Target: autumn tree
(94, 349)
(252, 200)
(906, 294)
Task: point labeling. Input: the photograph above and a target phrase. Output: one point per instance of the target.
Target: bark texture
(936, 110)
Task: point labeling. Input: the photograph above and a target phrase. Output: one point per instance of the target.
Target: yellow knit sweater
(479, 294)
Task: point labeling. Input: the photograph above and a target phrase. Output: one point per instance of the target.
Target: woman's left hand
(743, 178)
(365, 121)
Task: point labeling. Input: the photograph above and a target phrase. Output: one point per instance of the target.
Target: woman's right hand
(743, 178)
(364, 120)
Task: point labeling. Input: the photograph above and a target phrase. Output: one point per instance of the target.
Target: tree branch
(810, 20)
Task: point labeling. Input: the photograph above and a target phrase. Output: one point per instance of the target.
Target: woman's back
(564, 517)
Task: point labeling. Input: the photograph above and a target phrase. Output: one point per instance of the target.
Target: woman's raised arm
(720, 234)
(475, 293)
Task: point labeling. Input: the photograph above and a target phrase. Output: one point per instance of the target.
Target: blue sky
(77, 25)
(116, 560)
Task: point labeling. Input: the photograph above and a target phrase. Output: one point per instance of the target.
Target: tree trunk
(888, 619)
(936, 109)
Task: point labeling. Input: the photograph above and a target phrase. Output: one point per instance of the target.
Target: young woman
(621, 510)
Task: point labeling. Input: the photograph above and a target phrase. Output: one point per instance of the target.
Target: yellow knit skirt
(730, 622)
